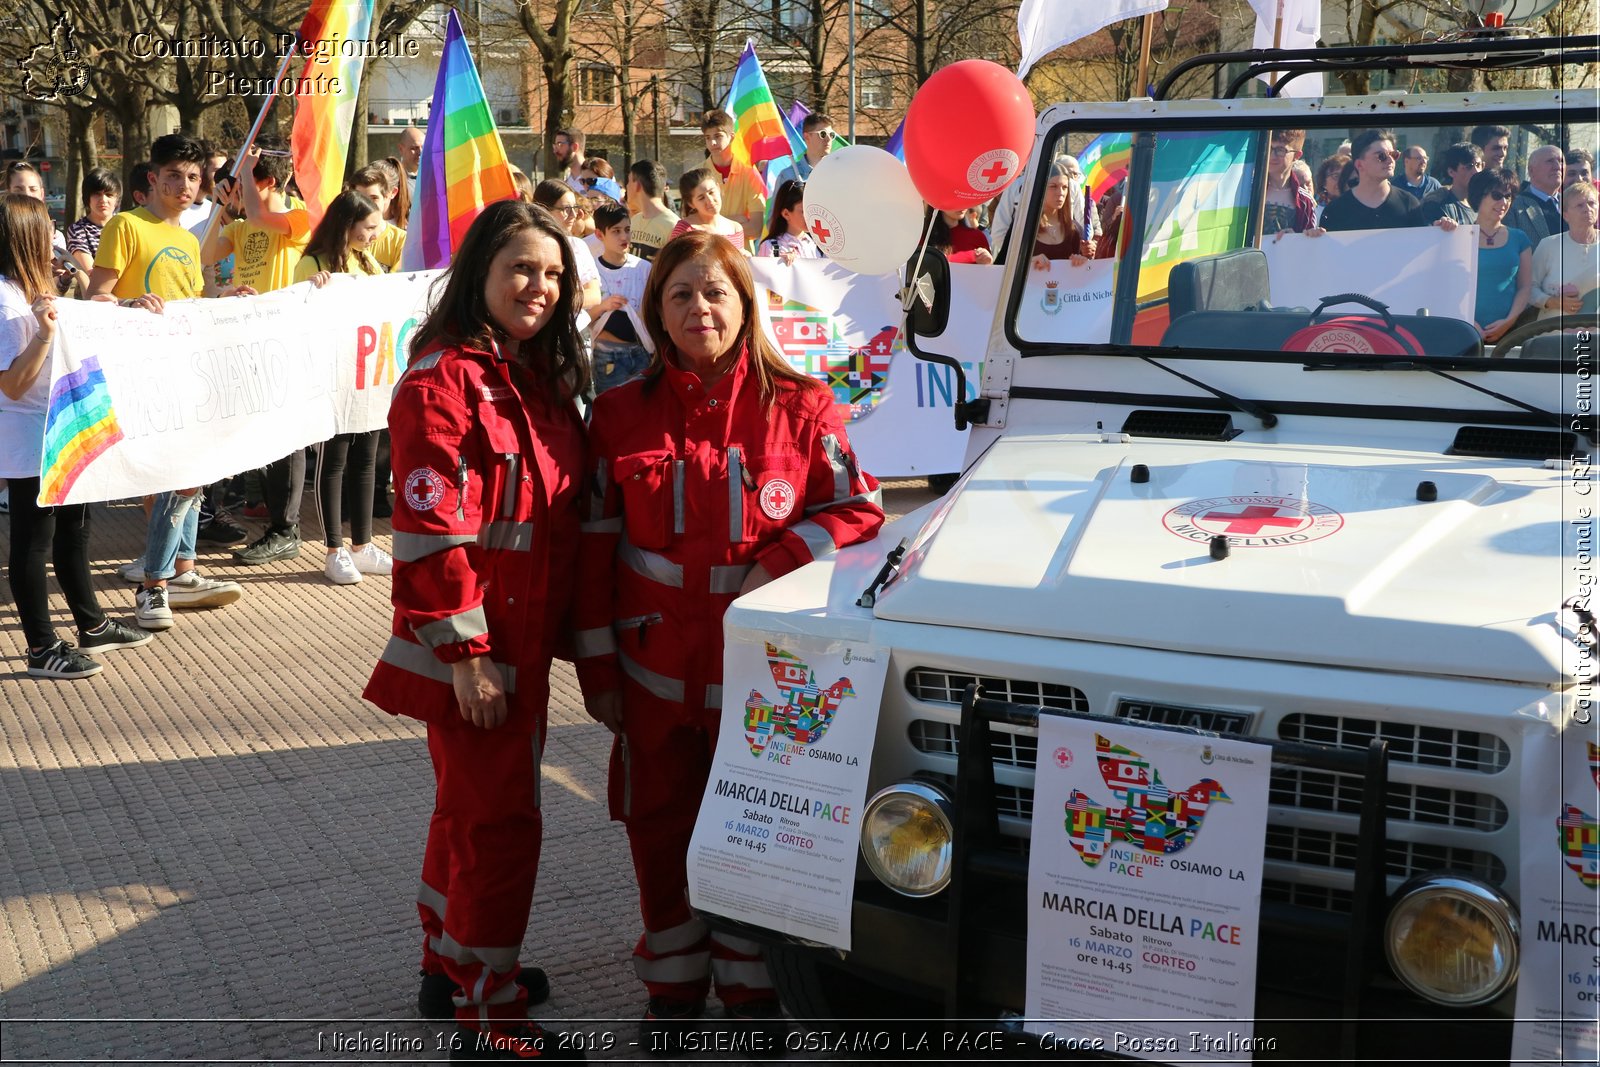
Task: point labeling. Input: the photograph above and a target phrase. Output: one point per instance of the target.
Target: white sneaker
(341, 569)
(190, 590)
(150, 609)
(132, 572)
(370, 559)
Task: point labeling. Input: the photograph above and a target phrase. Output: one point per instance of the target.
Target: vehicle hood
(1332, 558)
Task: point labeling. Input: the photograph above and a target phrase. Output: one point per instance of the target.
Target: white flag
(1302, 25)
(1045, 25)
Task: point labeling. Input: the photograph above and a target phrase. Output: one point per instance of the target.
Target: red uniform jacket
(690, 488)
(487, 468)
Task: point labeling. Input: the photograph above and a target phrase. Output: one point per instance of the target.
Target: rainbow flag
(320, 142)
(896, 145)
(1105, 162)
(463, 167)
(759, 136)
(80, 425)
(1199, 201)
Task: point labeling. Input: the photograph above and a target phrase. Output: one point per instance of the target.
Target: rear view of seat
(1231, 281)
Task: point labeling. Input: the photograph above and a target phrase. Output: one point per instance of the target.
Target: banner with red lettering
(141, 403)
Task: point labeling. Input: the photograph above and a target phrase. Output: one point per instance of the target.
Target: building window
(791, 21)
(876, 89)
(873, 12)
(597, 84)
(601, 8)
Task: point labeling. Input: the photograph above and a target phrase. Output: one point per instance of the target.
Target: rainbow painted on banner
(463, 167)
(80, 425)
(759, 136)
(320, 142)
(1105, 162)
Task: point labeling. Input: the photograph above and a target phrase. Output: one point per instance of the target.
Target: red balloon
(968, 134)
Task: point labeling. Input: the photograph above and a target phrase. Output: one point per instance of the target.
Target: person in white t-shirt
(620, 342)
(61, 534)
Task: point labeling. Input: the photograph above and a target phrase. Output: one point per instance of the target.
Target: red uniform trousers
(479, 868)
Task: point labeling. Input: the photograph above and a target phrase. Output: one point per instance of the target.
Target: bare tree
(548, 24)
(621, 36)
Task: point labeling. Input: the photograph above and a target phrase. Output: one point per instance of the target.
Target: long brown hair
(25, 236)
(768, 367)
(399, 211)
(330, 241)
(460, 314)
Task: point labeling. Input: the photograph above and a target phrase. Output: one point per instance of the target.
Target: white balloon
(863, 209)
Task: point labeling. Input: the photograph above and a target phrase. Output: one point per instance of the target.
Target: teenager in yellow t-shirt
(267, 243)
(372, 182)
(145, 257)
(341, 244)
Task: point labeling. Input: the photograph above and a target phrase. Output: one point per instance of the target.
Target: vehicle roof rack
(1478, 53)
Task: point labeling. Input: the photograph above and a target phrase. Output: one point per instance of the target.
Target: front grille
(1298, 789)
(1428, 746)
(944, 687)
(1323, 791)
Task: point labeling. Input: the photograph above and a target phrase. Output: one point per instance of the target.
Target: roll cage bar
(1492, 53)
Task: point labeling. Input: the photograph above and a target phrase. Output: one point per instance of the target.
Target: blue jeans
(174, 522)
(616, 362)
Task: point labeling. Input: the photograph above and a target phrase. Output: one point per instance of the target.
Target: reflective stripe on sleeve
(729, 579)
(713, 696)
(658, 684)
(597, 642)
(462, 626)
(841, 473)
(652, 565)
(676, 939)
(410, 547)
(818, 540)
(507, 536)
(875, 497)
(413, 658)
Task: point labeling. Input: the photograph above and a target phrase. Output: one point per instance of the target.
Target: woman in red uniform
(488, 456)
(718, 470)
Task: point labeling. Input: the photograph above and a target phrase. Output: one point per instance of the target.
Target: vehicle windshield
(1413, 241)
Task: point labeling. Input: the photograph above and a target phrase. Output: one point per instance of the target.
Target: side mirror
(929, 311)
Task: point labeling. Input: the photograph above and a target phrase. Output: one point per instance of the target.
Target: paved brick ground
(218, 828)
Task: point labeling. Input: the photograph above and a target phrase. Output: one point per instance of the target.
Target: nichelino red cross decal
(1253, 519)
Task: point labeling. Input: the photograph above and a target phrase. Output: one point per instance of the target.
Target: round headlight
(1452, 939)
(906, 838)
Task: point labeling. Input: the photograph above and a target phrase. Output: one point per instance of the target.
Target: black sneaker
(433, 999)
(665, 1020)
(223, 529)
(61, 660)
(112, 636)
(523, 1042)
(270, 547)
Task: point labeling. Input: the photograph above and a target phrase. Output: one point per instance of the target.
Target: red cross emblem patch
(423, 489)
(777, 499)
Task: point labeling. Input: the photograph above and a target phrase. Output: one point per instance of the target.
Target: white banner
(143, 403)
(780, 824)
(847, 331)
(1422, 267)
(1558, 985)
(1144, 890)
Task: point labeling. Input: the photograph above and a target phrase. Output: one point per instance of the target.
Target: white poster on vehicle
(780, 822)
(1423, 267)
(141, 403)
(1144, 890)
(847, 331)
(1067, 304)
(1558, 988)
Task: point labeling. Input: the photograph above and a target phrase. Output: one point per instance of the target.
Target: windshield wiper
(1560, 422)
(1249, 407)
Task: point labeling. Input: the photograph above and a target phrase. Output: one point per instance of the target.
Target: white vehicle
(1199, 503)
